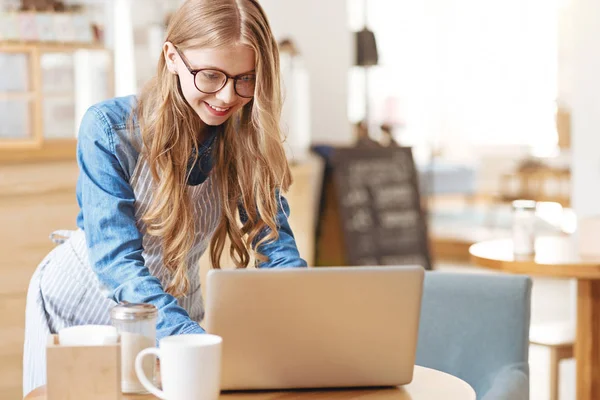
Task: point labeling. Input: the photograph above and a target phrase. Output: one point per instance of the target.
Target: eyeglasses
(212, 80)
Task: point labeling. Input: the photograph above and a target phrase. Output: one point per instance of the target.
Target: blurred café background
(491, 101)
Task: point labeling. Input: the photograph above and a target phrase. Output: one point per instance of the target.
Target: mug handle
(139, 371)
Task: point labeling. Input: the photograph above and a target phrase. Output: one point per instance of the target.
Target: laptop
(333, 327)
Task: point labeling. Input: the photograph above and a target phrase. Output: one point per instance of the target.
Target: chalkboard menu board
(381, 218)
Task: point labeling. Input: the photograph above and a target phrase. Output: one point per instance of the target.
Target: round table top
(554, 256)
(427, 384)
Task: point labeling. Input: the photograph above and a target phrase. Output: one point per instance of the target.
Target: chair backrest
(476, 327)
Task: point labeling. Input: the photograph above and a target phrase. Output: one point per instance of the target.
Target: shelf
(14, 144)
(49, 150)
(58, 95)
(12, 96)
(48, 46)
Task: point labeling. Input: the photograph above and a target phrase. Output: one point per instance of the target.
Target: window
(461, 73)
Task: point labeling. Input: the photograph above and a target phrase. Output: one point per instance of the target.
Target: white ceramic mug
(190, 367)
(88, 335)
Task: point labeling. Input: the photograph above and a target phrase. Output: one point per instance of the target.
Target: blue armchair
(476, 327)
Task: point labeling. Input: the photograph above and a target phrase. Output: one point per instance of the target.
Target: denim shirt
(107, 155)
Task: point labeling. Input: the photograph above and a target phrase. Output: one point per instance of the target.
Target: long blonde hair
(250, 162)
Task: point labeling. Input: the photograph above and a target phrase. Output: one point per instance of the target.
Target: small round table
(558, 257)
(427, 384)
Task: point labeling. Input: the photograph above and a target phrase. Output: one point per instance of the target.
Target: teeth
(218, 108)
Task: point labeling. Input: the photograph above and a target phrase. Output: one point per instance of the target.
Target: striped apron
(64, 291)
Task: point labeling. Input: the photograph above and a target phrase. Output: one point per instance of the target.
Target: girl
(196, 159)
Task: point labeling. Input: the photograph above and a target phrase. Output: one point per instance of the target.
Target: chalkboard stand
(371, 211)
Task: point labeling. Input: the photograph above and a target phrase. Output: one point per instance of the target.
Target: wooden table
(427, 384)
(532, 183)
(449, 243)
(558, 257)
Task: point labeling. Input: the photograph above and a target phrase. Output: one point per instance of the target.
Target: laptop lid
(289, 328)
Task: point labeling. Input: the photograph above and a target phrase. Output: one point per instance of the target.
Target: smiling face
(234, 60)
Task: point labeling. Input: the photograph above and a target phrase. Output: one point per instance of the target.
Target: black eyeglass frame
(194, 72)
